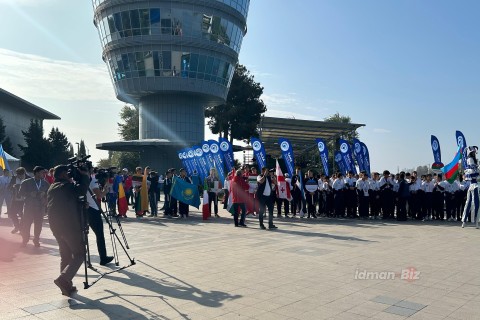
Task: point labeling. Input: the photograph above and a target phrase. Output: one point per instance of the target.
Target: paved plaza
(307, 269)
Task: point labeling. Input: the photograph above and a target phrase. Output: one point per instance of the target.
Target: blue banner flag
(287, 154)
(339, 161)
(185, 192)
(193, 162)
(259, 153)
(347, 156)
(217, 159)
(358, 154)
(202, 162)
(189, 166)
(207, 155)
(183, 159)
(437, 154)
(462, 143)
(227, 151)
(366, 158)
(322, 148)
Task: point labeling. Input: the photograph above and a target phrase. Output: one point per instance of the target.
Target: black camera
(103, 175)
(75, 164)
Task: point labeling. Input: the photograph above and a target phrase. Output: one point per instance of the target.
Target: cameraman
(63, 210)
(94, 213)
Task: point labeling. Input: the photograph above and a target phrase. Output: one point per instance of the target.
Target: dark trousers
(72, 253)
(15, 212)
(402, 209)
(450, 204)
(28, 218)
(339, 203)
(438, 205)
(363, 205)
(212, 197)
(166, 204)
(351, 201)
(173, 205)
(183, 209)
(266, 202)
(374, 203)
(237, 206)
(225, 199)
(152, 199)
(96, 224)
(285, 203)
(296, 203)
(310, 198)
(388, 204)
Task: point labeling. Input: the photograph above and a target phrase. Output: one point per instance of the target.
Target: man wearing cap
(34, 191)
(64, 216)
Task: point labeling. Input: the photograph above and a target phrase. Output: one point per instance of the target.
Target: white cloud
(280, 100)
(35, 76)
(381, 130)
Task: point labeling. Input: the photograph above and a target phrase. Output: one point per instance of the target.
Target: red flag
(122, 201)
(283, 187)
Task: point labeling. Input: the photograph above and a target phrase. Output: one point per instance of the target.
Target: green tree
(37, 151)
(4, 140)
(240, 116)
(129, 128)
(59, 146)
(71, 151)
(82, 149)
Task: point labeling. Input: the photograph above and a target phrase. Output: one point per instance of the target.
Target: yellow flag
(144, 192)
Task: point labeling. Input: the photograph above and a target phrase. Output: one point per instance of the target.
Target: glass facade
(170, 64)
(239, 5)
(170, 22)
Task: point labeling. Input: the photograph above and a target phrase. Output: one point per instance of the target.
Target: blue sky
(406, 69)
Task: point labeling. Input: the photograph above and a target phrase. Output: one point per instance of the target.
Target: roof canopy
(29, 107)
(300, 133)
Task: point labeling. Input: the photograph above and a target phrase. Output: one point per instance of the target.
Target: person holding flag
(471, 174)
(283, 191)
(212, 186)
(265, 195)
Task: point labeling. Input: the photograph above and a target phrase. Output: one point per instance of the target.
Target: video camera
(103, 175)
(75, 164)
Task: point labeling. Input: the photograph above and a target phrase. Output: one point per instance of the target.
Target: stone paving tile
(400, 311)
(192, 269)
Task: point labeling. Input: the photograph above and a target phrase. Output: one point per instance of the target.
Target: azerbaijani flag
(122, 201)
(3, 159)
(451, 170)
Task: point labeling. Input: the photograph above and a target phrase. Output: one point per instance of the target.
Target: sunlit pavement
(306, 269)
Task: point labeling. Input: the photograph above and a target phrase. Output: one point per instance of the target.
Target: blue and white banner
(189, 164)
(358, 154)
(259, 152)
(207, 155)
(437, 154)
(366, 158)
(202, 161)
(287, 154)
(182, 159)
(217, 159)
(193, 161)
(462, 143)
(339, 161)
(227, 151)
(323, 149)
(347, 156)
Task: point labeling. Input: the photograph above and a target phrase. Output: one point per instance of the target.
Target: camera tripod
(113, 237)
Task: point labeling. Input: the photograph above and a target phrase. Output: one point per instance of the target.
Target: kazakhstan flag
(185, 192)
(3, 159)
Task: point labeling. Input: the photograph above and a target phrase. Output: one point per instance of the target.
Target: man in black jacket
(265, 196)
(64, 215)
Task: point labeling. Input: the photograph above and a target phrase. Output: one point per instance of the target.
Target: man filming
(64, 214)
(94, 213)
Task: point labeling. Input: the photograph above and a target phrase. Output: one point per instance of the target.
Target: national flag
(283, 189)
(3, 159)
(185, 192)
(451, 170)
(122, 201)
(205, 208)
(142, 204)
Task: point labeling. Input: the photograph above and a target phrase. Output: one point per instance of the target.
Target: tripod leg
(121, 231)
